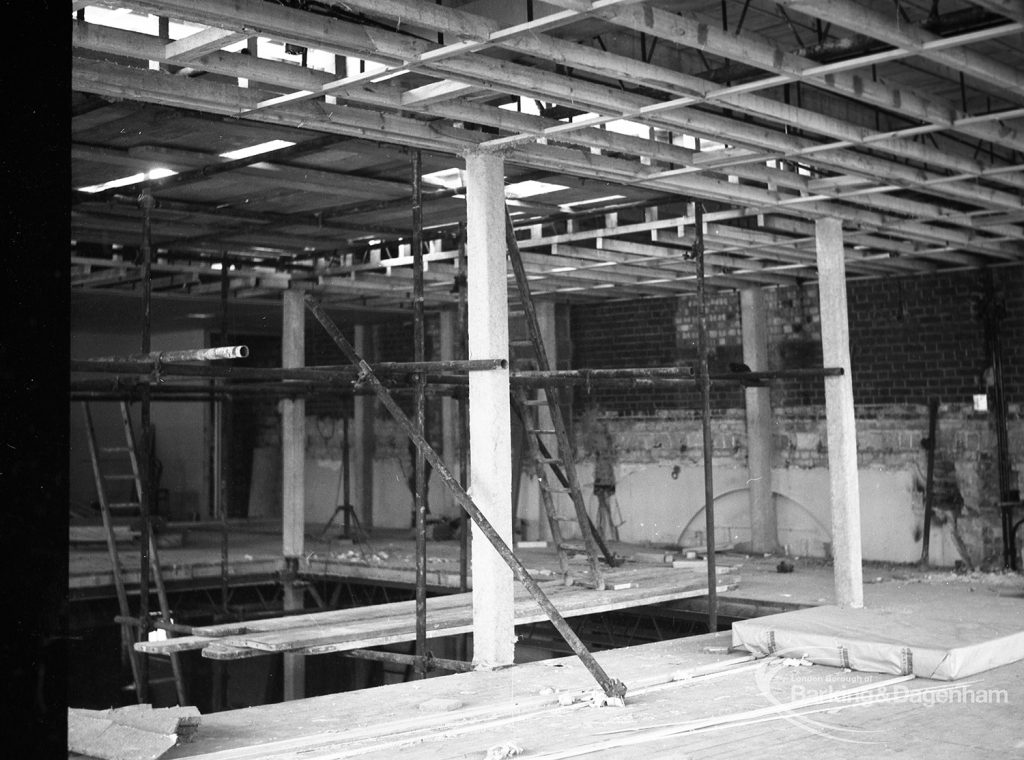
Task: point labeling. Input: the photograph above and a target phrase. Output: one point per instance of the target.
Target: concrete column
(764, 535)
(363, 438)
(293, 474)
(842, 428)
(293, 427)
(489, 413)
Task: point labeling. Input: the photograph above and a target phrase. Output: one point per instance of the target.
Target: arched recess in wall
(799, 527)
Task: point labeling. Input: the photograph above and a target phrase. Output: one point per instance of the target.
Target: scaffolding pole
(419, 481)
(146, 202)
(705, 398)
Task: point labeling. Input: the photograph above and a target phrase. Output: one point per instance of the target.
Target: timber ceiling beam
(687, 30)
(689, 90)
(380, 111)
(707, 124)
(861, 18)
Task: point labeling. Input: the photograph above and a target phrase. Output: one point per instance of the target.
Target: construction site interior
(545, 379)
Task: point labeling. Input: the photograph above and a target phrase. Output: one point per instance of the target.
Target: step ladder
(120, 464)
(548, 447)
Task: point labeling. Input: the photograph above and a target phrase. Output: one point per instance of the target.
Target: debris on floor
(136, 732)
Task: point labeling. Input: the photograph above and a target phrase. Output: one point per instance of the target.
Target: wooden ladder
(127, 452)
(556, 457)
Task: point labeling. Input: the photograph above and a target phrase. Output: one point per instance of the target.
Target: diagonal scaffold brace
(613, 688)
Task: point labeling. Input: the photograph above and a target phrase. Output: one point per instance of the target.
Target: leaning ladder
(560, 461)
(128, 452)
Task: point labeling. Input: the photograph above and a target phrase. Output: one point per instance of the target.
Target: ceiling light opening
(133, 179)
(529, 188)
(450, 178)
(255, 150)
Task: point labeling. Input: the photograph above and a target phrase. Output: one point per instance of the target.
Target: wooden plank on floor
(357, 631)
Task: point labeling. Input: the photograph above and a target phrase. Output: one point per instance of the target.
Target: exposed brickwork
(911, 338)
(625, 334)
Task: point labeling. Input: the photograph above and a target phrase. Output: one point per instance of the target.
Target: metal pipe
(327, 374)
(219, 413)
(434, 372)
(612, 688)
(428, 662)
(184, 355)
(419, 480)
(463, 402)
(705, 397)
(148, 467)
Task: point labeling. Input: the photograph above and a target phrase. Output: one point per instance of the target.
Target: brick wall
(911, 338)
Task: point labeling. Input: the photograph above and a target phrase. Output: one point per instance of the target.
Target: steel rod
(419, 479)
(705, 398)
(612, 688)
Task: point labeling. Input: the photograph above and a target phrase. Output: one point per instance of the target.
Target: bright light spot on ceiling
(255, 150)
(530, 188)
(130, 180)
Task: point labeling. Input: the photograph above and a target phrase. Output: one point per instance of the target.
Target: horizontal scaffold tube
(185, 355)
(332, 374)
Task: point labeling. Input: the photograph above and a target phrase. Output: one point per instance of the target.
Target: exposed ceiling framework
(903, 119)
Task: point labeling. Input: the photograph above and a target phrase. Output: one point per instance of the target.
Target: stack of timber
(379, 625)
(136, 732)
(97, 534)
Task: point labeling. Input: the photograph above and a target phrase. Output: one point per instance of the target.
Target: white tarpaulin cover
(943, 644)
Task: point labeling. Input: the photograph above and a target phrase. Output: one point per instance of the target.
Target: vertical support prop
(419, 501)
(929, 488)
(705, 398)
(840, 421)
(147, 497)
(218, 436)
(363, 419)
